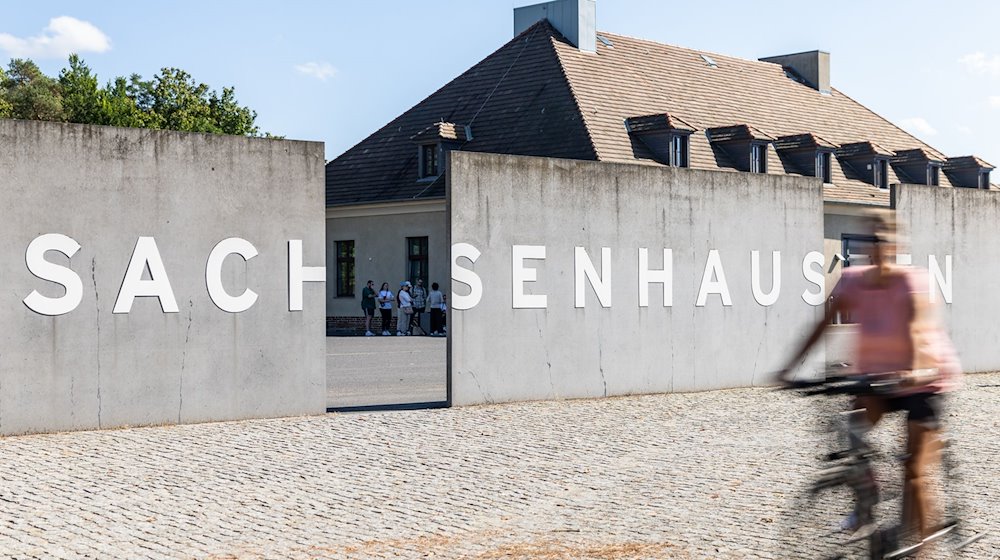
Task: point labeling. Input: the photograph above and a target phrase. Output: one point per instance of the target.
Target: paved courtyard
(385, 370)
(703, 475)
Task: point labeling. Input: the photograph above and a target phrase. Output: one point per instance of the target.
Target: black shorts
(924, 408)
(370, 312)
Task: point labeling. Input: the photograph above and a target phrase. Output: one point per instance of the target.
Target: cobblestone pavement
(702, 475)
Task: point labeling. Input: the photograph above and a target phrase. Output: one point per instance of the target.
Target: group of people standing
(411, 301)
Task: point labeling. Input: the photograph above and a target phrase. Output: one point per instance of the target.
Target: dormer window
(968, 171)
(428, 161)
(823, 170)
(678, 150)
(881, 173)
(758, 158)
(661, 137)
(867, 161)
(933, 175)
(740, 146)
(806, 154)
(435, 143)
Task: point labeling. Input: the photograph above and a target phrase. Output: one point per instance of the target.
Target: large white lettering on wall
(146, 257)
(465, 276)
(34, 257)
(521, 274)
(213, 275)
(713, 278)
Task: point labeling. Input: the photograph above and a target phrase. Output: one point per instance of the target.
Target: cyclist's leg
(923, 447)
(875, 407)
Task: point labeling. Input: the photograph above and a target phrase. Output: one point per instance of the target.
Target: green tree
(170, 100)
(81, 97)
(31, 94)
(6, 109)
(119, 106)
(230, 117)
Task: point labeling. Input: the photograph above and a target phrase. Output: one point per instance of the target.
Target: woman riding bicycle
(899, 340)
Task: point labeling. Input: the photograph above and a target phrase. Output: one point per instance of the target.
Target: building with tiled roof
(561, 89)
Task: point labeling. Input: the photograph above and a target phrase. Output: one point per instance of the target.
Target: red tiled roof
(540, 95)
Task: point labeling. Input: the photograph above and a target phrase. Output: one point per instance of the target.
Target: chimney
(575, 19)
(812, 66)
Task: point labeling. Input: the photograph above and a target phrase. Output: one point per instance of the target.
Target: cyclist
(900, 340)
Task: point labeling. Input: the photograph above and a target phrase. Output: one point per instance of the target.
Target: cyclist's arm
(836, 306)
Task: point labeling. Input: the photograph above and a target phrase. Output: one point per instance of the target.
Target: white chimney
(575, 19)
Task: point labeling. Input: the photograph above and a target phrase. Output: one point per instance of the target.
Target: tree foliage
(171, 100)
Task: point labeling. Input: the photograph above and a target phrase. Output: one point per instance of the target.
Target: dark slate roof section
(805, 141)
(443, 131)
(661, 122)
(916, 155)
(858, 149)
(560, 102)
(967, 162)
(517, 101)
(739, 132)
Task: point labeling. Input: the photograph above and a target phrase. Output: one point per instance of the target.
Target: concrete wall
(105, 187)
(499, 353)
(379, 237)
(963, 223)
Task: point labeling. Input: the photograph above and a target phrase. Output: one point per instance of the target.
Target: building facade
(562, 89)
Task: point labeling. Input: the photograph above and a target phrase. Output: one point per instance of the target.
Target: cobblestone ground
(703, 475)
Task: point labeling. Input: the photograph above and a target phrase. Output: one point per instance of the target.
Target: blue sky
(336, 71)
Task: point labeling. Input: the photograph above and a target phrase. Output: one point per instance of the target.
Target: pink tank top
(886, 341)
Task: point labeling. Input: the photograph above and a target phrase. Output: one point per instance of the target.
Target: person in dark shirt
(368, 306)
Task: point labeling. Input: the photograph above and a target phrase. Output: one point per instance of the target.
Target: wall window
(345, 268)
(758, 158)
(881, 170)
(984, 179)
(823, 171)
(416, 259)
(679, 150)
(428, 161)
(934, 175)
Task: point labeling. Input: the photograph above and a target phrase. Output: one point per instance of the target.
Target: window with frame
(881, 173)
(417, 259)
(345, 268)
(934, 175)
(984, 180)
(679, 150)
(823, 170)
(758, 158)
(428, 161)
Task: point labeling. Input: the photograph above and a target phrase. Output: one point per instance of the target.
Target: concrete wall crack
(97, 304)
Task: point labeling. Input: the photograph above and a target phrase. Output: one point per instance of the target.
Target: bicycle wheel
(818, 527)
(960, 533)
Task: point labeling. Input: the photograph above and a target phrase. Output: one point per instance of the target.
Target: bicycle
(837, 516)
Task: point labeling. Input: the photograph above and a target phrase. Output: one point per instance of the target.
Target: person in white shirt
(405, 301)
(385, 299)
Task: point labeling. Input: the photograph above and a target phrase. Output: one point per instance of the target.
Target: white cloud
(964, 129)
(981, 64)
(918, 126)
(319, 70)
(63, 35)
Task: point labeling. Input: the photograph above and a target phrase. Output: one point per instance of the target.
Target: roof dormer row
(745, 148)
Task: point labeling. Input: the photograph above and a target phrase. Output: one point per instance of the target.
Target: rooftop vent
(813, 67)
(575, 19)
(708, 60)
